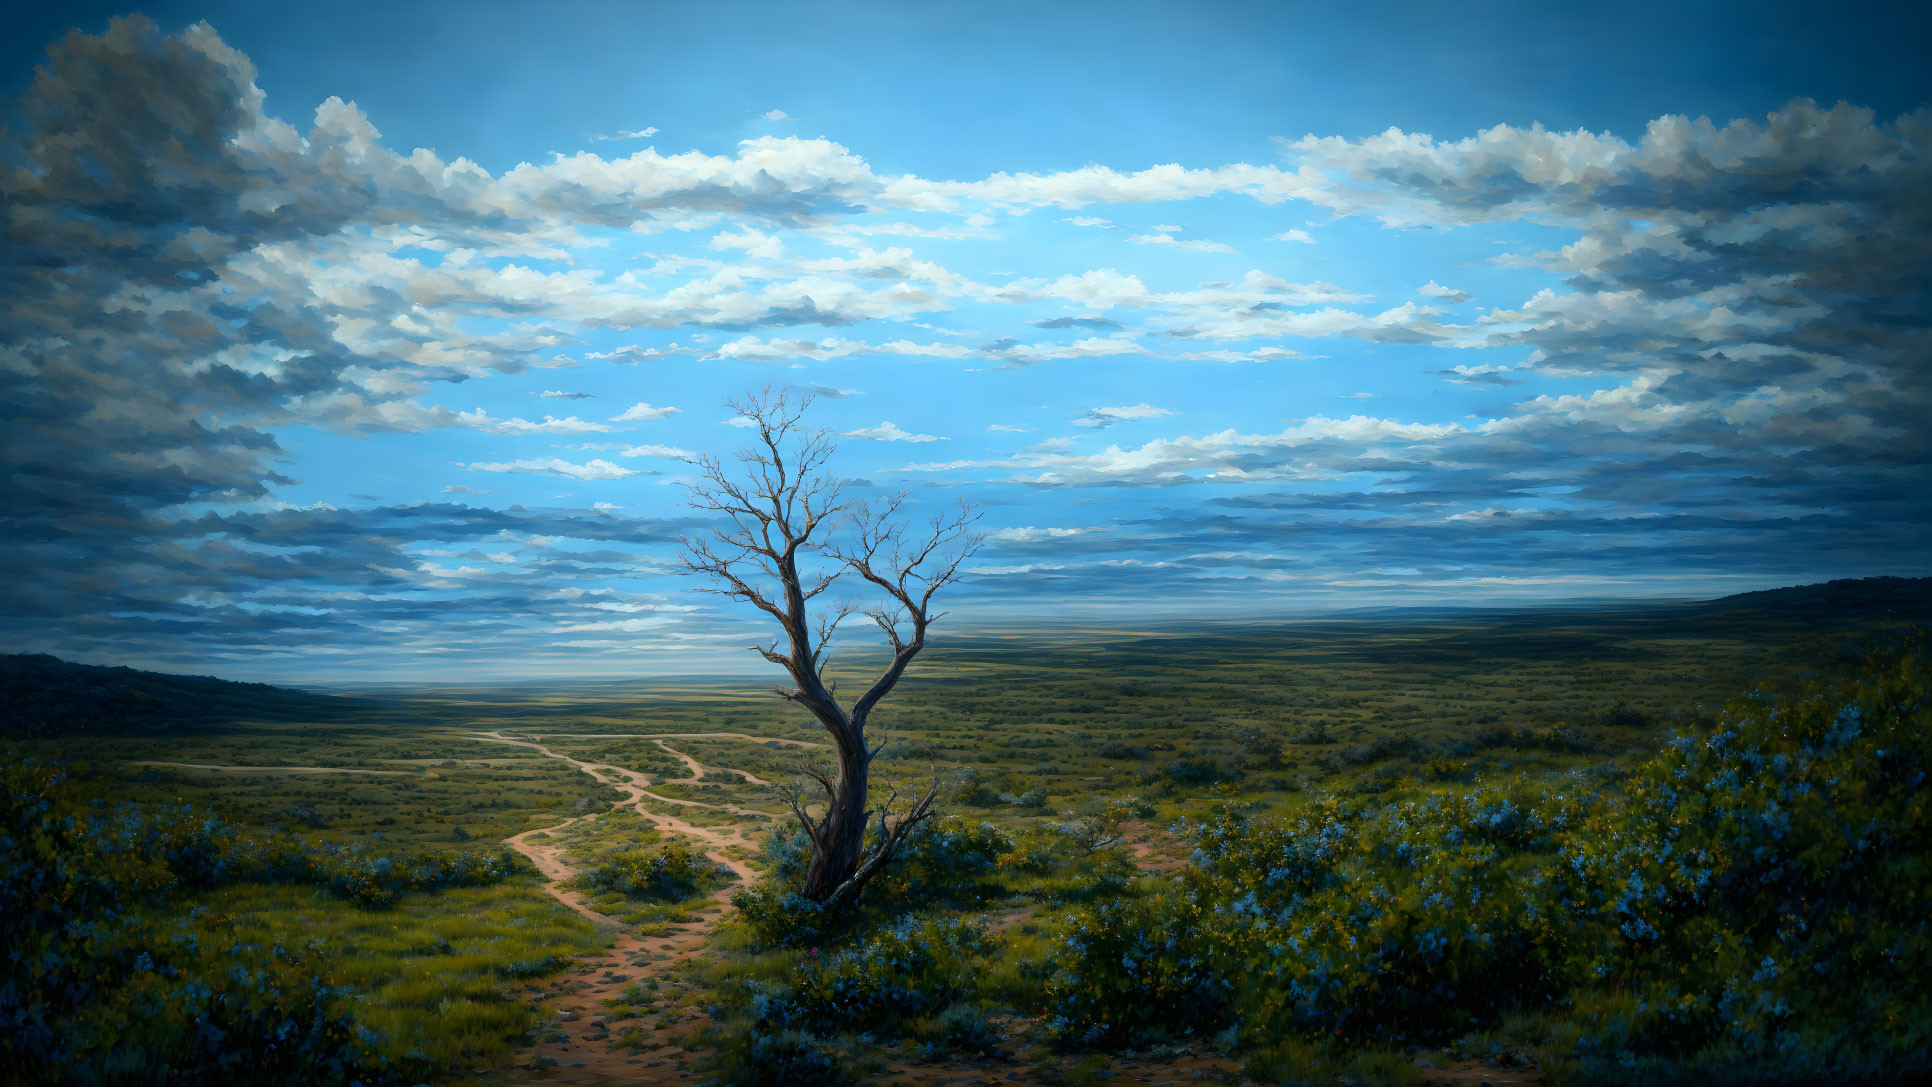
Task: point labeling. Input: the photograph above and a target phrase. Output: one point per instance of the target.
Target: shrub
(775, 915)
(961, 1029)
(1193, 770)
(1388, 746)
(1748, 908)
(946, 860)
(671, 871)
(1260, 751)
(99, 985)
(789, 1025)
(1313, 734)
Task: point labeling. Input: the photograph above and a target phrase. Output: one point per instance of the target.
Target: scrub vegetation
(1680, 843)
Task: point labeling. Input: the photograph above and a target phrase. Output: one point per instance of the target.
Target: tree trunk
(842, 830)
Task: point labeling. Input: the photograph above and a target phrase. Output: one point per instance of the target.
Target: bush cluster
(1750, 906)
(670, 871)
(946, 861)
(111, 975)
(912, 976)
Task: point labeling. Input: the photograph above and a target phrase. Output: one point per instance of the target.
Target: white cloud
(891, 432)
(480, 420)
(1165, 238)
(1106, 417)
(557, 394)
(782, 350)
(755, 243)
(669, 452)
(1295, 234)
(777, 115)
(1002, 428)
(1090, 220)
(554, 466)
(1030, 534)
(638, 134)
(1225, 455)
(1451, 295)
(632, 354)
(1013, 355)
(641, 412)
(458, 488)
(1104, 185)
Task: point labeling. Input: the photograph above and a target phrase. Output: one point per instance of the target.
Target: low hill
(42, 696)
(1883, 598)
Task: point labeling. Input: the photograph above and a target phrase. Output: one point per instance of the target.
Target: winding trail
(674, 736)
(578, 1048)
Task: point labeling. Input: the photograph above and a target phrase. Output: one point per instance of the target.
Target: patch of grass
(430, 974)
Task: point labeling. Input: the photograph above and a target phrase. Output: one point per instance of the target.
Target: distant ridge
(1885, 598)
(41, 695)
(1877, 597)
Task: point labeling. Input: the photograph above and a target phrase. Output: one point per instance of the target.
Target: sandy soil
(578, 1048)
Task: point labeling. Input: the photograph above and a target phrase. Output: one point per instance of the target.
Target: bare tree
(779, 507)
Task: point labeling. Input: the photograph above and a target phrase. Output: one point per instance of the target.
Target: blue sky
(370, 339)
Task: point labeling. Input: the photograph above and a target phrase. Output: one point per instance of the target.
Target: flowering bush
(947, 860)
(1750, 905)
(782, 1026)
(1760, 894)
(109, 976)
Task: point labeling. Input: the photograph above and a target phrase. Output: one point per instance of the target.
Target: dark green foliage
(111, 976)
(776, 915)
(795, 1058)
(1751, 907)
(1196, 770)
(960, 1029)
(774, 1027)
(1378, 749)
(671, 871)
(1260, 751)
(946, 861)
(1621, 714)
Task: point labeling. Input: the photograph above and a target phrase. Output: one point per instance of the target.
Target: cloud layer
(1719, 369)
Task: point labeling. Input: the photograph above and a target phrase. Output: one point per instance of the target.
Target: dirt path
(672, 736)
(579, 1046)
(697, 768)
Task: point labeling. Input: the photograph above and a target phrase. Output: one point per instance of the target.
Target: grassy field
(1089, 761)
